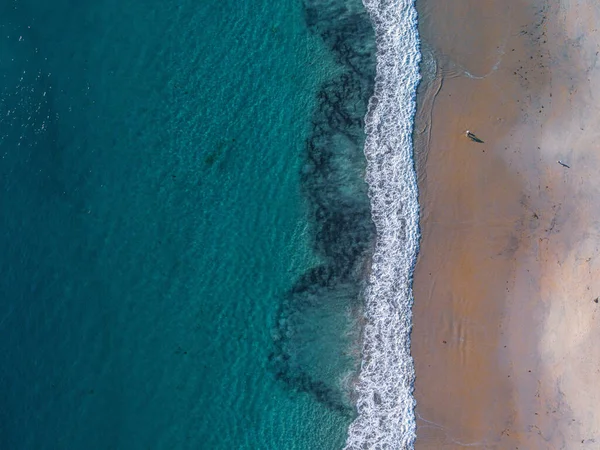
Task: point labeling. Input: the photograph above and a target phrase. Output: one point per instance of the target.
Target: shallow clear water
(162, 213)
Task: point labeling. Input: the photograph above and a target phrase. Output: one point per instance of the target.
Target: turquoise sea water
(168, 234)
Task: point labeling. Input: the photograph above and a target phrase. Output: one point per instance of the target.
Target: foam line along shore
(385, 401)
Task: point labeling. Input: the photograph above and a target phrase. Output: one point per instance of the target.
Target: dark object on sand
(563, 164)
(473, 137)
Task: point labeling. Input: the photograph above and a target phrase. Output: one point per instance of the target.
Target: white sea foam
(386, 418)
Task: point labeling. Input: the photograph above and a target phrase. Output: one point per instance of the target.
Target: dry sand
(506, 335)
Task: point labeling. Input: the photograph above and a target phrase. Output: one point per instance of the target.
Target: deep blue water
(160, 213)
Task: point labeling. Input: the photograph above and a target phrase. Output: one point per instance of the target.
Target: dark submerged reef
(314, 335)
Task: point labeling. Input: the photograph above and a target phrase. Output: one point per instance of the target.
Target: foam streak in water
(385, 386)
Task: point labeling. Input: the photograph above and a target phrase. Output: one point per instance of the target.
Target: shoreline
(504, 287)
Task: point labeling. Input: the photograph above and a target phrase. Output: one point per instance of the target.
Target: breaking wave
(385, 403)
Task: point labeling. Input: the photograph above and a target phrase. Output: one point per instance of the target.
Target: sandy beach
(506, 312)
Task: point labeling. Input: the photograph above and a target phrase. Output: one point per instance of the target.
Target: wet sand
(505, 313)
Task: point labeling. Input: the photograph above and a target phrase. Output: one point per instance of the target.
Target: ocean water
(186, 235)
